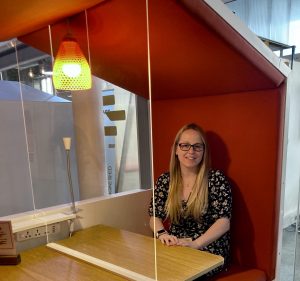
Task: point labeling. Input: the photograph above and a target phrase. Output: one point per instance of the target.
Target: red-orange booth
(205, 67)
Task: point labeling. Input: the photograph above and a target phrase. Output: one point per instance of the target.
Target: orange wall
(244, 133)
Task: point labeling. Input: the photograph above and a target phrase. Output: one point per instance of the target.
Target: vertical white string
(88, 38)
(151, 133)
(24, 123)
(52, 57)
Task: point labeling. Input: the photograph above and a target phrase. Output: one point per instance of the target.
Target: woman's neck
(188, 182)
(188, 177)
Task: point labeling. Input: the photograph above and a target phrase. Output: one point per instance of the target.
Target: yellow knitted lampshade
(71, 70)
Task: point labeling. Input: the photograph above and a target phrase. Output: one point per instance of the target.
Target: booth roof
(195, 47)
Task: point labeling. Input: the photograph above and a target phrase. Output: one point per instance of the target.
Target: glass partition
(47, 116)
(108, 127)
(16, 191)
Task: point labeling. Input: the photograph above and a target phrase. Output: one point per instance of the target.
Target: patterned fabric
(219, 205)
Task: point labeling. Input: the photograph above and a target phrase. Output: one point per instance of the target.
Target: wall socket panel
(37, 232)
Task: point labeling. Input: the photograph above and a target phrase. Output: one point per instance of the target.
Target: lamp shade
(71, 70)
(67, 143)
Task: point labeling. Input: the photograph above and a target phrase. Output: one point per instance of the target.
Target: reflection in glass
(15, 176)
(121, 147)
(48, 118)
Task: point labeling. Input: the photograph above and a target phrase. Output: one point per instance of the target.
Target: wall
(292, 175)
(244, 131)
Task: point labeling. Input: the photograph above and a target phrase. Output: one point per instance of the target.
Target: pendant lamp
(71, 70)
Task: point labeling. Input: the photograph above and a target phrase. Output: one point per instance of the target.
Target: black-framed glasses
(196, 146)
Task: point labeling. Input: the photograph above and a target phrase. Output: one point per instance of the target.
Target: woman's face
(190, 150)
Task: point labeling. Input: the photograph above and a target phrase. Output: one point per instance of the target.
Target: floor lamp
(67, 145)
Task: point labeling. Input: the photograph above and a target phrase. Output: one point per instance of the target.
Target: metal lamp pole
(67, 145)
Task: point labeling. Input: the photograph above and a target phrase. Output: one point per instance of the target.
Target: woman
(195, 199)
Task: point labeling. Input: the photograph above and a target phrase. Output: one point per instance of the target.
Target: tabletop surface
(131, 251)
(136, 253)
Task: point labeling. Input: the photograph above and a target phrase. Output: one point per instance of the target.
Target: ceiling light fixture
(71, 70)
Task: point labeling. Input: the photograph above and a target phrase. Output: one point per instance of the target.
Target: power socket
(37, 232)
(24, 235)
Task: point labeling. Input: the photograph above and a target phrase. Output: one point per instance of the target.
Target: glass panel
(48, 119)
(15, 176)
(119, 138)
(119, 58)
(35, 72)
(121, 150)
(49, 115)
(48, 169)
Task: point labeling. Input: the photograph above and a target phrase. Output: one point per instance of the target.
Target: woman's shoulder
(217, 177)
(163, 181)
(216, 173)
(164, 177)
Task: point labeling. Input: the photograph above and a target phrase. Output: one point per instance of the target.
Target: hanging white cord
(52, 57)
(88, 38)
(24, 123)
(151, 133)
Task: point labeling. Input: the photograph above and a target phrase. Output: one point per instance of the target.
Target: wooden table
(45, 264)
(121, 249)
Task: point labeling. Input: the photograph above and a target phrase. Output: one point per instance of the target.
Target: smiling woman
(195, 199)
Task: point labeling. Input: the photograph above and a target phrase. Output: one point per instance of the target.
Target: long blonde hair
(198, 200)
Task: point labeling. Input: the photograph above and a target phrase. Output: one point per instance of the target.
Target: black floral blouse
(219, 205)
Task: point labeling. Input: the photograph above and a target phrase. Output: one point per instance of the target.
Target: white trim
(237, 24)
(100, 263)
(41, 221)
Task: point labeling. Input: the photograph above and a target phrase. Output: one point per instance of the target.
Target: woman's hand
(167, 239)
(188, 243)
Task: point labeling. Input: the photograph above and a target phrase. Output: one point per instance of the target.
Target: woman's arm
(156, 225)
(220, 227)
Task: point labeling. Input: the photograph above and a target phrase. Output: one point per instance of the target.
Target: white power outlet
(38, 232)
(24, 235)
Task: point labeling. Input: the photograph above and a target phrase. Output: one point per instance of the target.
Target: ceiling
(193, 51)
(19, 17)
